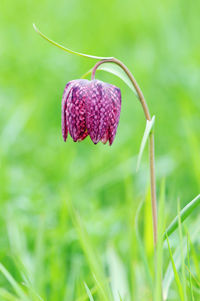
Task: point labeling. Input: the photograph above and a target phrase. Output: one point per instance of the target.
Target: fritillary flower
(93, 108)
(90, 108)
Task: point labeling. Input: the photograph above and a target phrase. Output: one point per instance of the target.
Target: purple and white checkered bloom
(90, 108)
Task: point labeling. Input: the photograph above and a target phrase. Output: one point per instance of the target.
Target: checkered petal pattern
(90, 108)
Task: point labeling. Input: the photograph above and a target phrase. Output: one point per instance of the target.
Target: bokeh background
(40, 174)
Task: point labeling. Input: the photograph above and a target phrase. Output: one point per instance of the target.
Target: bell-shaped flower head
(90, 108)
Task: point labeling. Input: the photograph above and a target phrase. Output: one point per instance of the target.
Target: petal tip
(64, 137)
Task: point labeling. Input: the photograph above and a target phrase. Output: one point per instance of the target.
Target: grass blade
(91, 255)
(32, 293)
(118, 279)
(169, 274)
(67, 49)
(141, 247)
(85, 297)
(182, 255)
(189, 268)
(19, 291)
(176, 276)
(184, 213)
(195, 258)
(16, 123)
(7, 296)
(88, 292)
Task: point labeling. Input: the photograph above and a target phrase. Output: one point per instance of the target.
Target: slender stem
(130, 75)
(151, 138)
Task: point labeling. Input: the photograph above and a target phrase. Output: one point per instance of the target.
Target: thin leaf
(88, 292)
(39, 254)
(7, 296)
(107, 294)
(193, 277)
(149, 126)
(32, 293)
(115, 70)
(119, 72)
(141, 246)
(85, 297)
(89, 72)
(118, 279)
(91, 255)
(185, 212)
(67, 49)
(169, 275)
(13, 283)
(195, 258)
(176, 276)
(16, 123)
(189, 268)
(182, 255)
(196, 290)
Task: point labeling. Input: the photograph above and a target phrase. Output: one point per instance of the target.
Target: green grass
(70, 228)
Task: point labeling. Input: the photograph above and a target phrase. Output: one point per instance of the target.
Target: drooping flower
(90, 108)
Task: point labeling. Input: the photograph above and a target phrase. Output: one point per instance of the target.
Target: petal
(115, 96)
(105, 137)
(98, 108)
(75, 110)
(83, 136)
(64, 105)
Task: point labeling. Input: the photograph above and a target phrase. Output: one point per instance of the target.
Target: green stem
(151, 138)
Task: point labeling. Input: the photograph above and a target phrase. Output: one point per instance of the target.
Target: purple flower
(90, 108)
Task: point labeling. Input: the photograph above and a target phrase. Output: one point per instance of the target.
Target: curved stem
(151, 138)
(130, 75)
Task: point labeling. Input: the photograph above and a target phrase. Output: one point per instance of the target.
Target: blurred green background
(39, 173)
